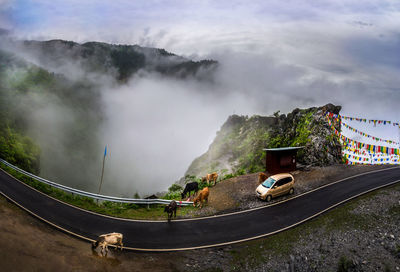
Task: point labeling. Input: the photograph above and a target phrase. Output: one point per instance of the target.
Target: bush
(240, 172)
(202, 185)
(172, 195)
(175, 187)
(189, 178)
(228, 176)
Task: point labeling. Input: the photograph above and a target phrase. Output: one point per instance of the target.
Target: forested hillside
(119, 61)
(25, 91)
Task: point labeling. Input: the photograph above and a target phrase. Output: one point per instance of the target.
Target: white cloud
(274, 56)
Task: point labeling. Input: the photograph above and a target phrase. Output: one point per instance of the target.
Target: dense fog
(155, 125)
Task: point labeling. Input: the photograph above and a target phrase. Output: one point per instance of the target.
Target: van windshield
(268, 183)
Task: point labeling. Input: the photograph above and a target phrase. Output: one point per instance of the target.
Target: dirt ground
(27, 244)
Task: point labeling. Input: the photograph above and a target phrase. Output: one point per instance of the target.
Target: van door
(277, 188)
(286, 185)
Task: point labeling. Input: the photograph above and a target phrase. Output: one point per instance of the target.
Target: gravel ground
(368, 239)
(373, 245)
(239, 193)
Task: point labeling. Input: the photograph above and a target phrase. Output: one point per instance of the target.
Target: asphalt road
(197, 233)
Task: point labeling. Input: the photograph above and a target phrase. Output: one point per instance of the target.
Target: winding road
(204, 232)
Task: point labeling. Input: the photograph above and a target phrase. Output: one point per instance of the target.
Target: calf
(203, 195)
(108, 239)
(171, 209)
(193, 186)
(261, 177)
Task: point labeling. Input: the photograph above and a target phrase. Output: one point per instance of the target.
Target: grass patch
(123, 210)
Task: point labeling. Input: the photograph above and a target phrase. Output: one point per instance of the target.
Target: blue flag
(105, 151)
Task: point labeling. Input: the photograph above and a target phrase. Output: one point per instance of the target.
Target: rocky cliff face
(238, 146)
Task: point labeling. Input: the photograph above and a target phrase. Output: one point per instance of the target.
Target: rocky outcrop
(309, 128)
(238, 146)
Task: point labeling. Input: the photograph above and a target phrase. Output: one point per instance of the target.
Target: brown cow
(261, 177)
(108, 239)
(203, 195)
(210, 177)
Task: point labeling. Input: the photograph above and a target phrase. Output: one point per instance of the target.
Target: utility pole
(102, 169)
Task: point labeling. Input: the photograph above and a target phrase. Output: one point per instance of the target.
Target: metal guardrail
(92, 195)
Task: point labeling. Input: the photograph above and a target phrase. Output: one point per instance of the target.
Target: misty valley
(203, 136)
(62, 102)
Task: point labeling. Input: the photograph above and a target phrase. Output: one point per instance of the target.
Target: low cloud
(274, 57)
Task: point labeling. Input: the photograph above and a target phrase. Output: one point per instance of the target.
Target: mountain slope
(46, 118)
(238, 146)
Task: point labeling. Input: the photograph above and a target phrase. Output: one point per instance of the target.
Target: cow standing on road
(171, 209)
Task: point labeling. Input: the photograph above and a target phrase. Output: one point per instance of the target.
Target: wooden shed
(280, 160)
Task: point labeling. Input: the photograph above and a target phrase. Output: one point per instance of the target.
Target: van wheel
(268, 199)
(291, 191)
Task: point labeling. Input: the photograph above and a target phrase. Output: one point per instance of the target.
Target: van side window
(289, 179)
(280, 182)
(286, 180)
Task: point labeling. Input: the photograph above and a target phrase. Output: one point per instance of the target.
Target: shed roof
(284, 148)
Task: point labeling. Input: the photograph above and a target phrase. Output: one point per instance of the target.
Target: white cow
(108, 239)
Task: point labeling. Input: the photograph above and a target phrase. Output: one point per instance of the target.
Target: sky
(347, 44)
(274, 55)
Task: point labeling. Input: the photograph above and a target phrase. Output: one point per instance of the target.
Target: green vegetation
(127, 60)
(120, 61)
(19, 150)
(32, 99)
(302, 130)
(174, 192)
(239, 144)
(123, 210)
(15, 146)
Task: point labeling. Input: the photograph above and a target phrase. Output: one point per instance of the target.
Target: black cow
(171, 208)
(193, 186)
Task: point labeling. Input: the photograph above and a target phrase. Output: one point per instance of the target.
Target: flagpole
(102, 170)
